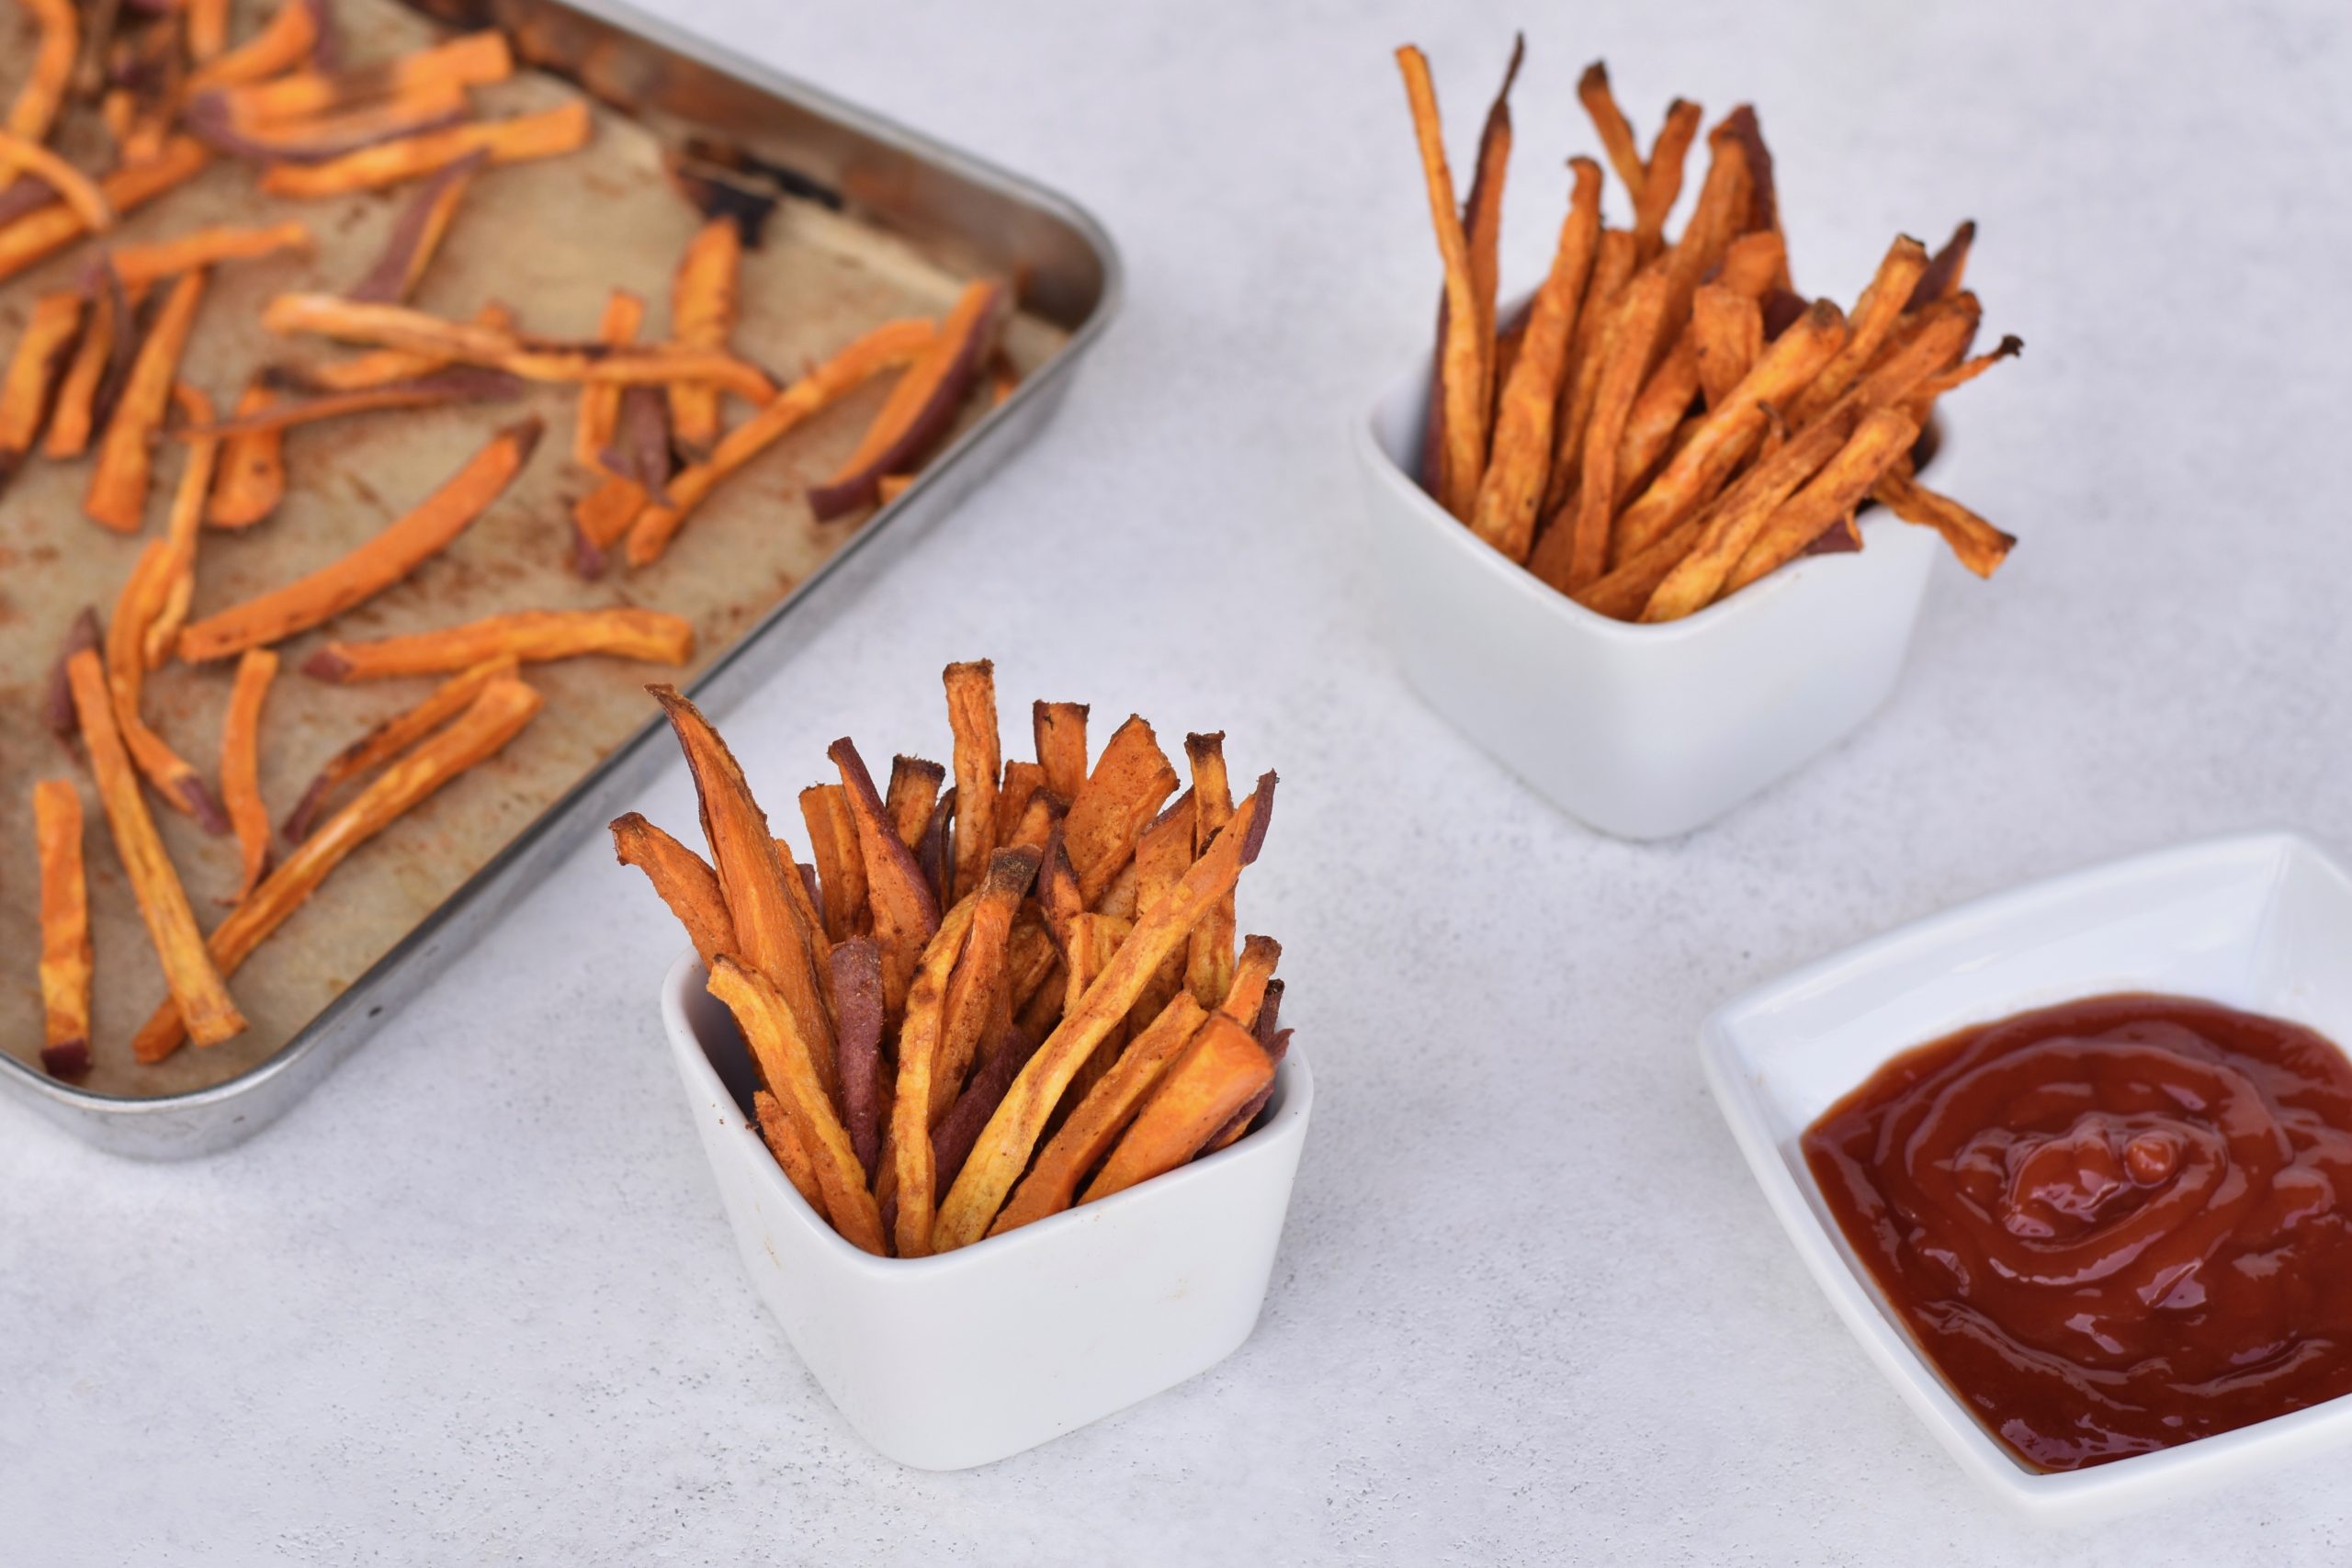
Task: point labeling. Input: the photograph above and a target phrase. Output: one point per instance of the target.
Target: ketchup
(2112, 1227)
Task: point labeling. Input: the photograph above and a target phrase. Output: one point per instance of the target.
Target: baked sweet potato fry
(971, 715)
(854, 973)
(1612, 269)
(1012, 1134)
(64, 930)
(1662, 177)
(157, 260)
(922, 405)
(1251, 974)
(1576, 548)
(167, 612)
(118, 489)
(1162, 856)
(57, 701)
(33, 112)
(295, 33)
(461, 385)
(377, 367)
(1880, 305)
(1880, 439)
(534, 637)
(911, 1113)
(1947, 269)
(20, 157)
(1277, 1045)
(1208, 957)
(337, 133)
(1482, 209)
(250, 477)
(241, 767)
(1131, 781)
(913, 791)
(1616, 132)
(840, 867)
(498, 714)
(703, 302)
(1465, 358)
(1727, 337)
(472, 60)
(197, 990)
(776, 1130)
(76, 412)
(546, 135)
(1734, 522)
(600, 402)
(143, 594)
(417, 234)
(683, 881)
(905, 909)
(1059, 729)
(39, 363)
(45, 230)
(978, 1002)
(1222, 1069)
(388, 739)
(1980, 547)
(427, 530)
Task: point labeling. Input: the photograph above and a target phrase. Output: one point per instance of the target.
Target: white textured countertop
(475, 1301)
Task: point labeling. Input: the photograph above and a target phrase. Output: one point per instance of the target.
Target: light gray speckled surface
(476, 1302)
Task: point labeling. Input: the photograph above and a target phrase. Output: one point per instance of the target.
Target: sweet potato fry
(21, 155)
(189, 971)
(1208, 960)
(1928, 344)
(251, 480)
(1875, 313)
(788, 1062)
(1662, 177)
(388, 739)
(498, 714)
(381, 366)
(534, 637)
(39, 363)
(1131, 781)
(57, 702)
(1019, 783)
(295, 33)
(911, 1114)
(418, 231)
(1218, 1073)
(1060, 732)
(1251, 974)
(1277, 1046)
(890, 346)
(206, 23)
(600, 403)
(682, 879)
(1616, 133)
(971, 715)
(855, 970)
(157, 260)
(1622, 594)
(703, 298)
(1878, 441)
(64, 930)
(1945, 271)
(34, 110)
(1482, 209)
(1576, 552)
(914, 790)
(1520, 464)
(1980, 547)
(390, 556)
(472, 60)
(143, 594)
(753, 873)
(546, 135)
(776, 1130)
(1089, 943)
(1657, 413)
(177, 584)
(1162, 856)
(336, 133)
(1612, 269)
(461, 385)
(1967, 370)
(977, 989)
(953, 1136)
(1466, 375)
(841, 868)
(1082, 1140)
(922, 405)
(1724, 210)
(1727, 336)
(1012, 1134)
(1735, 521)
(76, 410)
(905, 910)
(46, 230)
(241, 767)
(117, 490)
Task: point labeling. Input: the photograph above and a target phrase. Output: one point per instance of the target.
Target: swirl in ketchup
(2113, 1226)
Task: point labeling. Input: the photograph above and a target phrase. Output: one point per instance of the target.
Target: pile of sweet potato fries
(1667, 421)
(995, 989)
(96, 372)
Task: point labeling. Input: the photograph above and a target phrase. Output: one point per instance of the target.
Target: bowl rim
(1286, 1122)
(2051, 1496)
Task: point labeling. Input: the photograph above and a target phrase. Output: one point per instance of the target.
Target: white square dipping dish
(1642, 731)
(2260, 921)
(947, 1362)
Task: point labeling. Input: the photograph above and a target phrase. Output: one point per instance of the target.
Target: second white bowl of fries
(1622, 524)
(1003, 1119)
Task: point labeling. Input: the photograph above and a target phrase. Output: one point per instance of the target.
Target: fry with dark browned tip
(922, 406)
(1616, 133)
(971, 716)
(417, 234)
(64, 930)
(388, 739)
(841, 867)
(294, 34)
(1980, 547)
(1880, 306)
(1576, 550)
(906, 912)
(534, 637)
(1208, 962)
(1220, 1071)
(337, 133)
(545, 135)
(118, 489)
(682, 879)
(1465, 360)
(913, 1183)
(498, 714)
(75, 412)
(1662, 177)
(1482, 209)
(198, 991)
(977, 992)
(1946, 271)
(1734, 522)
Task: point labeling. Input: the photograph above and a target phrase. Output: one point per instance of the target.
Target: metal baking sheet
(753, 571)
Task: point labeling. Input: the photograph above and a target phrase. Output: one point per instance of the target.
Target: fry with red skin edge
(600, 403)
(1875, 313)
(390, 739)
(154, 261)
(526, 137)
(1727, 334)
(1662, 177)
(971, 716)
(1218, 1073)
(189, 971)
(800, 886)
(1694, 474)
(905, 910)
(911, 1105)
(241, 767)
(1576, 548)
(703, 301)
(1276, 1049)
(1612, 269)
(462, 385)
(34, 110)
(472, 60)
(1051, 1184)
(683, 881)
(977, 987)
(534, 637)
(602, 516)
(117, 490)
(752, 875)
(1251, 972)
(126, 664)
(922, 405)
(1946, 270)
(1520, 464)
(890, 346)
(186, 522)
(379, 367)
(389, 556)
(787, 1061)
(954, 1135)
(1763, 200)
(251, 480)
(1058, 899)
(42, 353)
(19, 155)
(74, 413)
(1208, 960)
(293, 34)
(398, 326)
(1131, 781)
(913, 791)
(46, 230)
(784, 1144)
(1059, 729)
(498, 713)
(841, 868)
(1616, 133)
(57, 705)
(1482, 209)
(335, 134)
(1980, 547)
(1880, 439)
(1465, 377)
(1018, 785)
(64, 930)
(1012, 1134)
(1733, 523)
(417, 234)
(855, 970)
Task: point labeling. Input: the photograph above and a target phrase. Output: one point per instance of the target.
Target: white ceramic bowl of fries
(973, 1356)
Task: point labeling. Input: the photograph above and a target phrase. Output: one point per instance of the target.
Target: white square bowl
(1642, 731)
(947, 1362)
(2261, 922)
